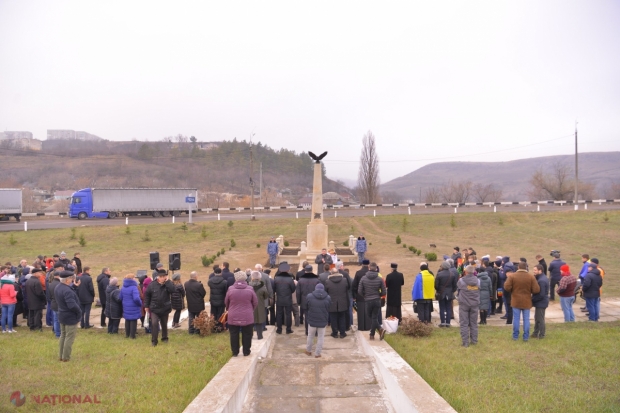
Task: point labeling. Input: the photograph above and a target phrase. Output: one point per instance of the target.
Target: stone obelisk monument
(317, 228)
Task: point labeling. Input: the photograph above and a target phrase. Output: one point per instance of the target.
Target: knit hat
(176, 276)
(9, 278)
(63, 254)
(319, 286)
(159, 265)
(365, 262)
(565, 269)
(595, 261)
(498, 262)
(445, 257)
(240, 276)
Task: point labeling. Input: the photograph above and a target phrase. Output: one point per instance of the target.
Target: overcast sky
(432, 80)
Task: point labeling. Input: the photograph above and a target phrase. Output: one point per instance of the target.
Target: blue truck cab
(81, 206)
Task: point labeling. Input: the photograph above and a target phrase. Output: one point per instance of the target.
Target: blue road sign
(190, 199)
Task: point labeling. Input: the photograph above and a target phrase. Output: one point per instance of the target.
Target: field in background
(513, 234)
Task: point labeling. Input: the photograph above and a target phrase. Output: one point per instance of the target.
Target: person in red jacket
(8, 299)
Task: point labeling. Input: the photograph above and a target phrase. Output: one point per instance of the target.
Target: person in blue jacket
(361, 247)
(132, 305)
(69, 313)
(272, 250)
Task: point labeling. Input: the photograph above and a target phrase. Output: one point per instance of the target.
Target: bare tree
(555, 184)
(368, 175)
(487, 193)
(613, 191)
(432, 196)
(456, 192)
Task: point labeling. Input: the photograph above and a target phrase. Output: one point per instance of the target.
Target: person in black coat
(302, 270)
(445, 287)
(363, 318)
(177, 300)
(37, 301)
(305, 286)
(86, 294)
(227, 275)
(284, 289)
(69, 313)
(157, 303)
(195, 293)
(53, 304)
(394, 282)
(103, 280)
(217, 294)
(114, 308)
(338, 287)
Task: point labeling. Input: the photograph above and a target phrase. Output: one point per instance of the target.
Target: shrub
(146, 236)
(412, 248)
(82, 240)
(346, 243)
(206, 324)
(223, 251)
(12, 240)
(415, 328)
(606, 217)
(213, 258)
(370, 243)
(184, 227)
(501, 221)
(405, 223)
(127, 230)
(218, 253)
(398, 240)
(430, 256)
(286, 244)
(230, 224)
(452, 222)
(257, 245)
(404, 245)
(418, 252)
(205, 261)
(72, 233)
(203, 232)
(233, 244)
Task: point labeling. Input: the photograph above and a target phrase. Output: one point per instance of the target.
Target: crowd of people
(244, 302)
(484, 286)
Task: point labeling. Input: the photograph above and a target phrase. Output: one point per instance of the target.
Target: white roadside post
(25, 226)
(126, 220)
(173, 219)
(409, 210)
(374, 212)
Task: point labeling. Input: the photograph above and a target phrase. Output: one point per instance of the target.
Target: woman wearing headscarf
(261, 294)
(177, 299)
(240, 302)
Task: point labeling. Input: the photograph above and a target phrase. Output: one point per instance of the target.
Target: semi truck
(118, 202)
(10, 204)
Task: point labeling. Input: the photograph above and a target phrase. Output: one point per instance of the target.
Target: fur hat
(365, 262)
(319, 286)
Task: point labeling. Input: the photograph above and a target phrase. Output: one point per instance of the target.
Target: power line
(462, 156)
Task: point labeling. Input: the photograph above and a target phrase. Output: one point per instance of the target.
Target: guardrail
(330, 206)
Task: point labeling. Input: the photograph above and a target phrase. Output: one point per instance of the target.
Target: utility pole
(576, 169)
(260, 183)
(251, 180)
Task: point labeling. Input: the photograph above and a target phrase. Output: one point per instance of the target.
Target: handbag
(500, 292)
(224, 318)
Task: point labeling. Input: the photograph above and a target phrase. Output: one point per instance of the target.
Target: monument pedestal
(316, 239)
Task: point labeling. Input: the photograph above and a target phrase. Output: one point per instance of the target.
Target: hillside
(601, 169)
(217, 172)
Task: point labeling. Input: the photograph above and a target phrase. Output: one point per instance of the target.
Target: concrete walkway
(610, 311)
(343, 380)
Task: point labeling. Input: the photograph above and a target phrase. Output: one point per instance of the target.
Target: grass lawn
(519, 235)
(125, 375)
(575, 368)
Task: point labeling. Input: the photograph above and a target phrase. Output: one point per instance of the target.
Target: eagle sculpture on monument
(317, 158)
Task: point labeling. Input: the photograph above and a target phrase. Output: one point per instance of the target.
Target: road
(35, 223)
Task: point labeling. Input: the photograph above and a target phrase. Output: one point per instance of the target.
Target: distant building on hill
(19, 140)
(53, 134)
(60, 195)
